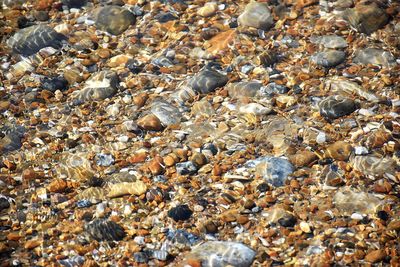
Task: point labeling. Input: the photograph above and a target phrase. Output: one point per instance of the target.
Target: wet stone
(222, 253)
(30, 40)
(100, 86)
(105, 230)
(54, 83)
(113, 19)
(4, 203)
(350, 201)
(273, 169)
(256, 15)
(366, 18)
(185, 168)
(166, 113)
(180, 213)
(287, 221)
(74, 3)
(207, 81)
(374, 56)
(334, 107)
(243, 89)
(164, 17)
(329, 58)
(330, 41)
(375, 166)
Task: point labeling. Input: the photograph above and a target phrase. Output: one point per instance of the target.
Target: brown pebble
(150, 122)
(57, 186)
(31, 244)
(199, 159)
(394, 225)
(375, 256)
(303, 158)
(339, 150)
(155, 166)
(137, 158)
(170, 159)
(211, 227)
(13, 237)
(29, 174)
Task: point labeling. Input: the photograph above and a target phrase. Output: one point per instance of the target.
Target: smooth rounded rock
(330, 41)
(166, 112)
(366, 18)
(222, 253)
(374, 56)
(337, 106)
(207, 81)
(328, 59)
(113, 19)
(100, 86)
(105, 230)
(30, 40)
(274, 170)
(256, 15)
(180, 213)
(244, 89)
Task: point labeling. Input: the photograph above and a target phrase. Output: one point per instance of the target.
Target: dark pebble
(287, 221)
(101, 229)
(383, 215)
(55, 83)
(4, 204)
(180, 213)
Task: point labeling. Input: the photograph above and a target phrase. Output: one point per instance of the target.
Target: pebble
(209, 9)
(120, 189)
(150, 123)
(375, 256)
(113, 19)
(350, 201)
(374, 56)
(207, 81)
(330, 58)
(274, 170)
(105, 230)
(366, 17)
(334, 107)
(330, 41)
(256, 15)
(100, 86)
(339, 150)
(30, 40)
(180, 213)
(221, 253)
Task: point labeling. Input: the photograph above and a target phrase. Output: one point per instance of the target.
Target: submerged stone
(337, 106)
(105, 230)
(30, 40)
(329, 58)
(207, 81)
(222, 253)
(256, 15)
(374, 56)
(113, 19)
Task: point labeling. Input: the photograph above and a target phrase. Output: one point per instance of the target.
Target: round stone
(100, 86)
(328, 59)
(334, 107)
(113, 19)
(180, 213)
(244, 89)
(221, 253)
(105, 230)
(30, 40)
(330, 41)
(207, 81)
(256, 15)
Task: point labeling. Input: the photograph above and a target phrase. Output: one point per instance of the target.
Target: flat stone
(222, 253)
(337, 106)
(120, 189)
(207, 80)
(374, 56)
(375, 166)
(339, 150)
(166, 112)
(330, 41)
(366, 18)
(244, 89)
(350, 201)
(113, 19)
(256, 15)
(328, 59)
(100, 86)
(30, 40)
(105, 230)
